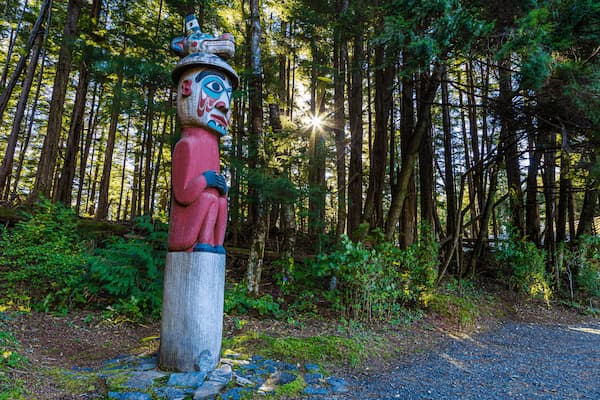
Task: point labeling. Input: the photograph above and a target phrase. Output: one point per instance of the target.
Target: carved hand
(216, 181)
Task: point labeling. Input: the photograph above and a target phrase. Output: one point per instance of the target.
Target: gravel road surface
(515, 361)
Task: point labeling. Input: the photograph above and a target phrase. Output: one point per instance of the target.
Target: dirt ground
(84, 339)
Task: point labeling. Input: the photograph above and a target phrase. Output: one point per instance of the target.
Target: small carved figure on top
(195, 41)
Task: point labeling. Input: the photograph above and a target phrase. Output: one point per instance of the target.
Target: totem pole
(192, 314)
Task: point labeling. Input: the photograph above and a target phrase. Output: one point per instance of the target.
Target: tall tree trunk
(408, 220)
(45, 171)
(316, 157)
(564, 191)
(64, 190)
(401, 190)
(7, 161)
(448, 162)
(235, 203)
(87, 143)
(549, 177)
(31, 121)
(256, 150)
(509, 148)
(590, 202)
(14, 78)
(14, 32)
(532, 212)
(384, 85)
(103, 200)
(123, 170)
(355, 170)
(149, 152)
(340, 59)
(426, 163)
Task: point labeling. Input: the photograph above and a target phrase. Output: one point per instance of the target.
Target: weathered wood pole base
(192, 311)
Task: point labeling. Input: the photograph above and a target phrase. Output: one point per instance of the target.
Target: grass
(323, 350)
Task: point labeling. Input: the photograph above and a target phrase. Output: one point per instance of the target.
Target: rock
(338, 385)
(204, 362)
(221, 375)
(248, 367)
(189, 379)
(312, 379)
(281, 366)
(170, 393)
(129, 396)
(208, 390)
(242, 380)
(311, 368)
(285, 378)
(315, 391)
(143, 379)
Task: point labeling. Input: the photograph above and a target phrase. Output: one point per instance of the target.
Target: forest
(377, 149)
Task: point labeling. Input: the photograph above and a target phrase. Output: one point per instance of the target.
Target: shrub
(238, 301)
(376, 283)
(128, 272)
(43, 258)
(587, 259)
(527, 267)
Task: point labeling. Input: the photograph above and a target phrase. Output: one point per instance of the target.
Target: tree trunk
(340, 59)
(355, 170)
(123, 170)
(408, 221)
(45, 171)
(384, 85)
(426, 164)
(87, 143)
(255, 150)
(509, 148)
(532, 212)
(448, 162)
(7, 161)
(408, 162)
(64, 190)
(12, 82)
(103, 201)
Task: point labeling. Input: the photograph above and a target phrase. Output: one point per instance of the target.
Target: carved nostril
(222, 106)
(186, 88)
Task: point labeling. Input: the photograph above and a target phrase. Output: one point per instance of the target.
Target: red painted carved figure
(199, 207)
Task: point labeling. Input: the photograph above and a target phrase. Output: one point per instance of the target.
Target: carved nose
(222, 106)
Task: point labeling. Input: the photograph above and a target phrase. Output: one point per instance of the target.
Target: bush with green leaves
(238, 301)
(376, 282)
(527, 267)
(587, 260)
(128, 272)
(42, 257)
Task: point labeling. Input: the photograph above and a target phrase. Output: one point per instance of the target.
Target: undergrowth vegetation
(48, 264)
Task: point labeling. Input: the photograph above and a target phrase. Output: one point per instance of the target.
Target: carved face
(203, 100)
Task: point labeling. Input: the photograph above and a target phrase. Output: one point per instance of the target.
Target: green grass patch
(462, 310)
(74, 383)
(316, 349)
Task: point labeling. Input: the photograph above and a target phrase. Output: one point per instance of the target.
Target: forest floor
(54, 343)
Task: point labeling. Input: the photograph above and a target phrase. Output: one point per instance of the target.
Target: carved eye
(215, 87)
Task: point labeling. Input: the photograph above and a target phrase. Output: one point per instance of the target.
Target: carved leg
(210, 212)
(221, 224)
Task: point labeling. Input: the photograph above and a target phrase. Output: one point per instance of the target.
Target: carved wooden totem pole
(192, 314)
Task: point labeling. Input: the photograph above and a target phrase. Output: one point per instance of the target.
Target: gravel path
(516, 361)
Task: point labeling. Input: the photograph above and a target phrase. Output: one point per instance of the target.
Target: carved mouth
(220, 120)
